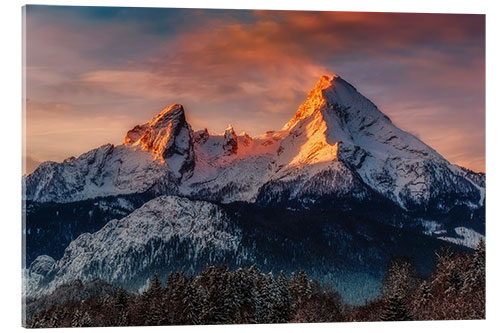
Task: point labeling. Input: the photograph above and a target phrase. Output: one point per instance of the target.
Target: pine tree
(282, 300)
(154, 314)
(191, 304)
(76, 321)
(424, 294)
(400, 278)
(245, 294)
(455, 280)
(44, 321)
(238, 283)
(154, 286)
(168, 302)
(86, 320)
(399, 283)
(303, 288)
(213, 300)
(120, 305)
(121, 300)
(476, 273)
(56, 317)
(229, 305)
(395, 309)
(264, 300)
(444, 266)
(176, 295)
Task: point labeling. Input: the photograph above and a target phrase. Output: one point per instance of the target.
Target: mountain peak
(174, 111)
(165, 135)
(230, 144)
(325, 82)
(316, 98)
(336, 139)
(333, 97)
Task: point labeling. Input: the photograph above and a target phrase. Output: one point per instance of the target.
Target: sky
(92, 73)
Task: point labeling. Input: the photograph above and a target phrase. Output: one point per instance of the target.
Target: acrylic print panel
(349, 187)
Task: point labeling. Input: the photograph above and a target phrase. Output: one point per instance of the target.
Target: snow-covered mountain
(172, 198)
(337, 146)
(170, 233)
(339, 143)
(154, 156)
(165, 233)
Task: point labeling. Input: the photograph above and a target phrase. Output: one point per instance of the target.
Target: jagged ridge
(338, 150)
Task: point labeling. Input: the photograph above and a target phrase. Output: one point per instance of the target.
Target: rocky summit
(338, 191)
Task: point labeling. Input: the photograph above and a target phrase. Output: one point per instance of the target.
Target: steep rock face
(337, 145)
(154, 157)
(230, 144)
(337, 131)
(201, 136)
(247, 139)
(168, 137)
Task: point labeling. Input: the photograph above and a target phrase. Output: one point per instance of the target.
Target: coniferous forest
(454, 290)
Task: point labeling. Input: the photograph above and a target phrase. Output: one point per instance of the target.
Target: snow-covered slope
(107, 170)
(172, 233)
(338, 145)
(465, 237)
(167, 232)
(154, 156)
(395, 194)
(231, 167)
(338, 136)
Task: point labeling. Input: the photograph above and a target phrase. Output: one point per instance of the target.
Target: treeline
(455, 290)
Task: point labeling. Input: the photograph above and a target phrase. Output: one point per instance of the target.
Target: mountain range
(338, 190)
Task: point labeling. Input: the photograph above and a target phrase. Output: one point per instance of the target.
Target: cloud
(254, 68)
(56, 131)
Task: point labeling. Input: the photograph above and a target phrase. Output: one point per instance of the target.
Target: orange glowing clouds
(120, 66)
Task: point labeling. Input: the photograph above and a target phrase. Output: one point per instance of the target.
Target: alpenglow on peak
(337, 145)
(165, 135)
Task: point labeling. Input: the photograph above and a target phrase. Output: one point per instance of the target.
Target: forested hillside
(454, 290)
